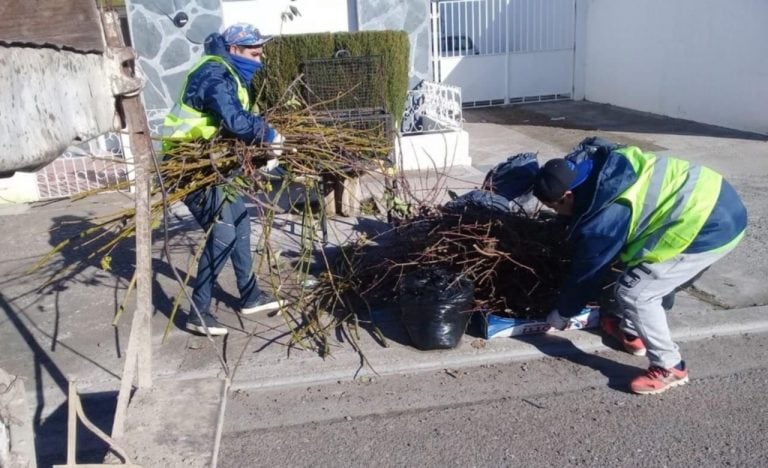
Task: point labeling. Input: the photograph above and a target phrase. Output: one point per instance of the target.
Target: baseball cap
(558, 176)
(245, 35)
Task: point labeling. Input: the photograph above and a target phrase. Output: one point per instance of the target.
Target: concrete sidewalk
(51, 335)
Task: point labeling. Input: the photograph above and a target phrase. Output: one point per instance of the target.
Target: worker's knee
(223, 234)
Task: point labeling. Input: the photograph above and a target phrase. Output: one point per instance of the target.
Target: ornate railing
(432, 107)
(96, 164)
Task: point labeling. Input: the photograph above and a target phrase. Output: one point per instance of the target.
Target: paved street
(567, 411)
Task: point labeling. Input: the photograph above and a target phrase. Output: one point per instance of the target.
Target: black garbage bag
(514, 177)
(513, 180)
(482, 200)
(435, 306)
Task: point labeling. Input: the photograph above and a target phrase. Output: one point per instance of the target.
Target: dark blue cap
(558, 176)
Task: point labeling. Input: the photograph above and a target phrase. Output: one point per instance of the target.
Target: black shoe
(264, 303)
(214, 327)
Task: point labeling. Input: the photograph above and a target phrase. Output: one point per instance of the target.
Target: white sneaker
(265, 303)
(214, 327)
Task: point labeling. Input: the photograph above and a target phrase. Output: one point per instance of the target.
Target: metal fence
(349, 92)
(346, 82)
(487, 27)
(504, 51)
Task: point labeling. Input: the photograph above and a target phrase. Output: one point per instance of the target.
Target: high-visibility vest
(186, 123)
(670, 202)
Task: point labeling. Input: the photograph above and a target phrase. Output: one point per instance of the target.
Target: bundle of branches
(517, 262)
(316, 147)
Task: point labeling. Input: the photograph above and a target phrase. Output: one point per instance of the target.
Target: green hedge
(285, 54)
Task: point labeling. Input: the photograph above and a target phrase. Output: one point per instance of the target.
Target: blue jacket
(598, 230)
(212, 89)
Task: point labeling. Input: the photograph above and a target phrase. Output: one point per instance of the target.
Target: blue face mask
(246, 67)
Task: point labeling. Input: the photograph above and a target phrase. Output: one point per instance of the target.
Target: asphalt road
(545, 412)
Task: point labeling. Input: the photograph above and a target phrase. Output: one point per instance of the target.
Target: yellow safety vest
(186, 123)
(670, 202)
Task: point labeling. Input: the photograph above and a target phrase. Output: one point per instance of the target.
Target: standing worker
(666, 219)
(216, 96)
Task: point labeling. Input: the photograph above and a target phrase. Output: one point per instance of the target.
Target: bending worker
(666, 220)
(216, 96)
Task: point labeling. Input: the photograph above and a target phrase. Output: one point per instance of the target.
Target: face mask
(246, 67)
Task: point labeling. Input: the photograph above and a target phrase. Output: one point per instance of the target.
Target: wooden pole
(138, 360)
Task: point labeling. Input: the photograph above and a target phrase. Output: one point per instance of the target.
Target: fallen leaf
(478, 344)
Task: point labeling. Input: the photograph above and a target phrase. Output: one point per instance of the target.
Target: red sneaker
(632, 345)
(657, 379)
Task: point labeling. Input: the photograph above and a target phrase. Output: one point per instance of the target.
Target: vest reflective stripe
(187, 123)
(670, 202)
(653, 193)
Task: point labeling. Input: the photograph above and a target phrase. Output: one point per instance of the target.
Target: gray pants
(640, 290)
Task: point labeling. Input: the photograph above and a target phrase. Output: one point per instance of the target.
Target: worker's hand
(276, 146)
(271, 164)
(556, 321)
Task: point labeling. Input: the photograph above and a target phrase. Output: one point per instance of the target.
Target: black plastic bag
(483, 200)
(435, 306)
(513, 178)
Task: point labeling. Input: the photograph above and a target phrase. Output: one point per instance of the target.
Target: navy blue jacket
(598, 229)
(213, 90)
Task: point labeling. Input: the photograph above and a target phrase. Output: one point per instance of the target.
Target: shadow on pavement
(618, 374)
(51, 435)
(50, 432)
(63, 282)
(590, 116)
(386, 318)
(373, 228)
(77, 257)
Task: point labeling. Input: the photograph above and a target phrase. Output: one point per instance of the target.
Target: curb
(690, 326)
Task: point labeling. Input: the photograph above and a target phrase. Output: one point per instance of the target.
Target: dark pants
(230, 237)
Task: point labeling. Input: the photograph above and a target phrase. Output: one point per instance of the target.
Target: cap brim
(259, 43)
(582, 172)
(264, 40)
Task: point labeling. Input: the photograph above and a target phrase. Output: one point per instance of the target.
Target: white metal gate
(504, 51)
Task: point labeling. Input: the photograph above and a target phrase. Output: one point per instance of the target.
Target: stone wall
(411, 16)
(167, 49)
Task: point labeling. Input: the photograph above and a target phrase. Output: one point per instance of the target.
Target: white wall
(702, 60)
(316, 15)
(20, 188)
(439, 150)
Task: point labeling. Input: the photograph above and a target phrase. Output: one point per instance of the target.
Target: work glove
(271, 164)
(558, 322)
(276, 146)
